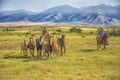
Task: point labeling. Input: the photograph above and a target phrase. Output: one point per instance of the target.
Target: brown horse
(31, 47)
(102, 41)
(23, 47)
(55, 47)
(46, 45)
(61, 42)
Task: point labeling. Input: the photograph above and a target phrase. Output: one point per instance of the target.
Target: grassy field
(81, 61)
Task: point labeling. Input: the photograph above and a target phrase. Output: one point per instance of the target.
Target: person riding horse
(44, 31)
(102, 35)
(102, 39)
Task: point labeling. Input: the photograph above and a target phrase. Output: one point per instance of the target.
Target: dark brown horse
(39, 46)
(23, 47)
(31, 47)
(61, 42)
(102, 41)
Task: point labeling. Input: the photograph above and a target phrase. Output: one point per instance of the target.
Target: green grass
(81, 61)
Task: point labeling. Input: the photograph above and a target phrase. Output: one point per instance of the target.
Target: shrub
(32, 35)
(114, 31)
(54, 33)
(74, 29)
(59, 30)
(8, 29)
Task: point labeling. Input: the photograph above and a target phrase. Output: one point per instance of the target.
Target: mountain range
(95, 15)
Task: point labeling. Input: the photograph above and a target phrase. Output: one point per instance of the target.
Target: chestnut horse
(24, 48)
(55, 47)
(31, 47)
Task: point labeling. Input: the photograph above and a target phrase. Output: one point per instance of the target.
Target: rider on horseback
(44, 31)
(102, 35)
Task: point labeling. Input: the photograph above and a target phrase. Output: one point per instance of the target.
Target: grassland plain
(81, 61)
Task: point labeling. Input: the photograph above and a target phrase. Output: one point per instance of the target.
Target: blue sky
(40, 5)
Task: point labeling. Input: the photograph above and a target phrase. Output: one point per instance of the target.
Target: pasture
(80, 62)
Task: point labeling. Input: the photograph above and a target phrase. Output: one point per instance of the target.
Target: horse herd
(45, 46)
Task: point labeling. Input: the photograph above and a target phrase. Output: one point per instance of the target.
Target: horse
(102, 41)
(46, 45)
(39, 47)
(55, 47)
(61, 43)
(48, 50)
(31, 47)
(23, 47)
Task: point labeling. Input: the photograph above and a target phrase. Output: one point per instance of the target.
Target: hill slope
(97, 15)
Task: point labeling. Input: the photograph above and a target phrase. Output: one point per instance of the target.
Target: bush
(59, 30)
(8, 29)
(91, 32)
(74, 29)
(32, 35)
(54, 33)
(114, 31)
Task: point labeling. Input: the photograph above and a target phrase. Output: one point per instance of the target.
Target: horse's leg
(54, 54)
(21, 52)
(37, 53)
(64, 49)
(32, 53)
(47, 54)
(104, 48)
(98, 46)
(51, 54)
(26, 51)
(43, 50)
(61, 50)
(58, 52)
(40, 53)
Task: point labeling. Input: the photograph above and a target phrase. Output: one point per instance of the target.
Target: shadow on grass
(16, 57)
(89, 50)
(33, 59)
(25, 58)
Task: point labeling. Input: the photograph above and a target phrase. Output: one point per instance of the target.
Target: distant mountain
(100, 15)
(56, 14)
(96, 15)
(15, 16)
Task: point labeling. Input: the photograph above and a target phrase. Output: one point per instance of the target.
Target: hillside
(96, 15)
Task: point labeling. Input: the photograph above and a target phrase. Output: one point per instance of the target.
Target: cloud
(116, 1)
(1, 3)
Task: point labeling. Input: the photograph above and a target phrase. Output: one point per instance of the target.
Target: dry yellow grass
(81, 61)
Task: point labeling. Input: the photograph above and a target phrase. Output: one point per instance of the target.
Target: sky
(41, 5)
